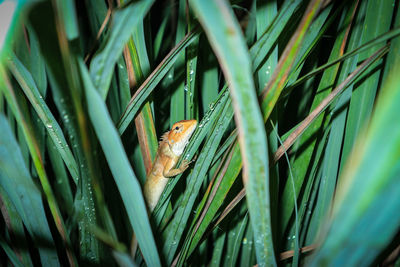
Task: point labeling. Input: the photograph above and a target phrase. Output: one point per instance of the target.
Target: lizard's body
(169, 151)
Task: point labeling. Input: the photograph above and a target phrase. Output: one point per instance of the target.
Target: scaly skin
(169, 151)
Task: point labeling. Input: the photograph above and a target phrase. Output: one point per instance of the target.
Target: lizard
(169, 151)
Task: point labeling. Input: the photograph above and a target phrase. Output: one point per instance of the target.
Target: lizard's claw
(194, 158)
(184, 165)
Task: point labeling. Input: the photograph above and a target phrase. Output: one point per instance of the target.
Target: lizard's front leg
(174, 172)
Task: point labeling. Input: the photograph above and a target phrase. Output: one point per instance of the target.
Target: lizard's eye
(177, 128)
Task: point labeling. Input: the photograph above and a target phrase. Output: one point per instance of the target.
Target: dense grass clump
(296, 151)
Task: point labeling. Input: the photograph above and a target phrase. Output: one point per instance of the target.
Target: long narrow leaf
(26, 197)
(230, 48)
(32, 143)
(102, 65)
(151, 82)
(365, 216)
(54, 130)
(124, 177)
(178, 225)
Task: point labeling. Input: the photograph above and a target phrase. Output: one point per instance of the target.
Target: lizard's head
(180, 134)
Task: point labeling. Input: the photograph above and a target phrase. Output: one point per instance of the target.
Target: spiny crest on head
(179, 133)
(164, 137)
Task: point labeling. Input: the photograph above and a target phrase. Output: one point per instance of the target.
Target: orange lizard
(170, 149)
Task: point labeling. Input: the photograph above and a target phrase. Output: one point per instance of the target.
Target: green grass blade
(125, 20)
(377, 21)
(158, 40)
(123, 259)
(310, 40)
(275, 86)
(124, 177)
(61, 187)
(147, 136)
(207, 77)
(38, 162)
(143, 57)
(144, 122)
(265, 12)
(11, 254)
(233, 56)
(66, 89)
(152, 81)
(97, 16)
(102, 62)
(247, 253)
(124, 88)
(217, 253)
(191, 92)
(268, 38)
(177, 106)
(381, 38)
(329, 99)
(113, 98)
(313, 35)
(229, 177)
(204, 127)
(178, 225)
(37, 66)
(301, 166)
(365, 216)
(15, 228)
(191, 107)
(17, 182)
(330, 167)
(69, 19)
(234, 241)
(327, 187)
(224, 181)
(36, 99)
(394, 52)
